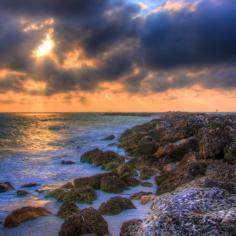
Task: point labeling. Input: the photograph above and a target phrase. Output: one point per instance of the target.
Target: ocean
(32, 146)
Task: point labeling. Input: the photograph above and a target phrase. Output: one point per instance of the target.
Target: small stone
(67, 162)
(22, 193)
(146, 199)
(5, 187)
(30, 185)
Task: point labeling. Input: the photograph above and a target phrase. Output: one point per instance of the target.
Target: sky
(117, 55)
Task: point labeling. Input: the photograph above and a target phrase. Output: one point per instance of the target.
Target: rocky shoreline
(192, 158)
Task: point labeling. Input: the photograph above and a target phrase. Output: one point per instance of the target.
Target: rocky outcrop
(115, 206)
(5, 187)
(24, 214)
(86, 221)
(192, 211)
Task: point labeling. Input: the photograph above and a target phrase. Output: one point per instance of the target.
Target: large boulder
(67, 209)
(5, 187)
(192, 211)
(130, 228)
(176, 151)
(100, 158)
(24, 214)
(112, 184)
(115, 205)
(86, 221)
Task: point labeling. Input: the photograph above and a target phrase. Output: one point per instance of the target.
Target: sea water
(32, 146)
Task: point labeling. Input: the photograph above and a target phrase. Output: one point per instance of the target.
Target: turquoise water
(32, 146)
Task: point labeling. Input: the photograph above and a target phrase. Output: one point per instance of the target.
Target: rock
(130, 228)
(228, 186)
(131, 181)
(169, 167)
(68, 185)
(124, 171)
(86, 221)
(191, 211)
(67, 162)
(112, 184)
(230, 153)
(147, 198)
(146, 184)
(100, 158)
(115, 206)
(5, 187)
(22, 193)
(24, 214)
(93, 181)
(67, 209)
(147, 172)
(212, 143)
(137, 196)
(147, 145)
(82, 194)
(109, 137)
(176, 151)
(30, 185)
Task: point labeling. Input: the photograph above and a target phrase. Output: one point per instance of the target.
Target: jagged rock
(67, 209)
(24, 214)
(112, 184)
(115, 206)
(22, 193)
(86, 221)
(129, 228)
(192, 211)
(5, 187)
(176, 151)
(147, 145)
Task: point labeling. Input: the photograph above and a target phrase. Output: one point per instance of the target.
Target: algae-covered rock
(112, 184)
(85, 221)
(115, 206)
(24, 214)
(67, 209)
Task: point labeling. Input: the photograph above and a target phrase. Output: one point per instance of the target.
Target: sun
(45, 48)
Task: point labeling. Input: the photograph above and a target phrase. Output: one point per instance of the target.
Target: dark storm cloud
(165, 44)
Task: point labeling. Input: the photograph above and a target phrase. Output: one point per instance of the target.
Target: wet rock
(24, 214)
(147, 198)
(109, 137)
(30, 185)
(115, 206)
(191, 211)
(86, 221)
(67, 209)
(130, 228)
(130, 181)
(100, 158)
(68, 185)
(5, 187)
(93, 181)
(82, 194)
(176, 151)
(147, 172)
(112, 184)
(67, 162)
(147, 145)
(137, 196)
(22, 193)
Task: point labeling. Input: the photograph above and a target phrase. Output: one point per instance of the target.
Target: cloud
(180, 44)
